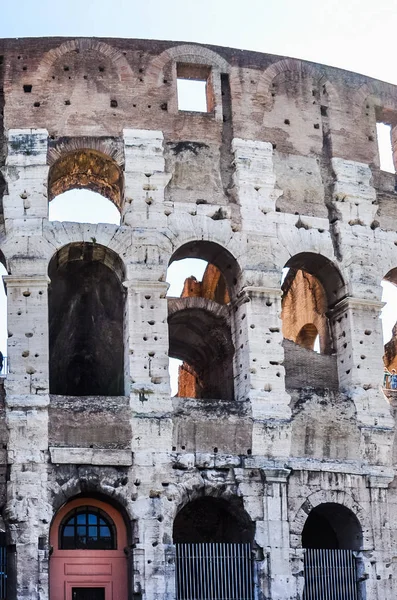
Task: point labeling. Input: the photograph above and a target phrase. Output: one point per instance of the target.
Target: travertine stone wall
(282, 170)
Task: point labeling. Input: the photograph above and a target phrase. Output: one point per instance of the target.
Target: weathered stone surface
(282, 170)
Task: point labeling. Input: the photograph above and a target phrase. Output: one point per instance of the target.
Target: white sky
(358, 35)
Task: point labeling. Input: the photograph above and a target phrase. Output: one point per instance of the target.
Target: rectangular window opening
(383, 132)
(194, 89)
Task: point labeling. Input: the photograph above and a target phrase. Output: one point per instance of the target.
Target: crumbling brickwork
(281, 171)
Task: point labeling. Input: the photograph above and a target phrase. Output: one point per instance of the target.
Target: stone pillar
(148, 364)
(145, 178)
(27, 306)
(254, 182)
(26, 173)
(276, 518)
(267, 394)
(27, 400)
(28, 512)
(359, 344)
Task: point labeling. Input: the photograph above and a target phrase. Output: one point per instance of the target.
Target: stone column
(281, 586)
(148, 364)
(145, 178)
(26, 173)
(267, 394)
(359, 345)
(27, 307)
(254, 182)
(28, 512)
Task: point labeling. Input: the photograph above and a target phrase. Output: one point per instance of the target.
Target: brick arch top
(377, 93)
(123, 68)
(187, 53)
(296, 66)
(107, 146)
(322, 497)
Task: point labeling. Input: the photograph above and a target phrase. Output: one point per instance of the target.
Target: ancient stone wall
(281, 171)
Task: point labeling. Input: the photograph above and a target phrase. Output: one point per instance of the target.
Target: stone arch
(106, 146)
(201, 337)
(187, 53)
(324, 270)
(90, 483)
(215, 250)
(89, 169)
(122, 66)
(304, 238)
(213, 519)
(58, 235)
(378, 93)
(324, 497)
(302, 68)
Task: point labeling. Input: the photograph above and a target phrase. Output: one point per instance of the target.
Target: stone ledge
(91, 456)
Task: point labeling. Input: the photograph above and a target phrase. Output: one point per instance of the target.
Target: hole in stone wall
(383, 132)
(311, 286)
(27, 89)
(83, 206)
(86, 321)
(85, 186)
(332, 526)
(193, 88)
(214, 520)
(201, 348)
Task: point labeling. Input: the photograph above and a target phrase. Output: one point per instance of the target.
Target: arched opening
(332, 526)
(389, 326)
(86, 301)
(307, 336)
(201, 348)
(3, 319)
(311, 286)
(331, 536)
(213, 539)
(89, 558)
(85, 186)
(83, 206)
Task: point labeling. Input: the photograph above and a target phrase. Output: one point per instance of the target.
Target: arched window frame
(87, 510)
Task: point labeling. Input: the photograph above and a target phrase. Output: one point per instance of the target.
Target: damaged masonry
(271, 474)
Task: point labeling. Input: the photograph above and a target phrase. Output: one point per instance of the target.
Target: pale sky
(358, 35)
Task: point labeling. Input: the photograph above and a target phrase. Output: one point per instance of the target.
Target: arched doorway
(86, 302)
(331, 535)
(88, 561)
(213, 539)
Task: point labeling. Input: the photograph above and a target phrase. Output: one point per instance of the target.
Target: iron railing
(330, 575)
(3, 567)
(214, 571)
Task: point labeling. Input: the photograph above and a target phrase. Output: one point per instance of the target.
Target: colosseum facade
(271, 475)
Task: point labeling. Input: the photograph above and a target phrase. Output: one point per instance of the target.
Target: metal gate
(330, 574)
(214, 572)
(3, 566)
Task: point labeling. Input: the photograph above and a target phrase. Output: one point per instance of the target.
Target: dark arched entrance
(213, 539)
(331, 535)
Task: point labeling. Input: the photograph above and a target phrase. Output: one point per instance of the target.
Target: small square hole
(383, 131)
(192, 88)
(27, 89)
(192, 95)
